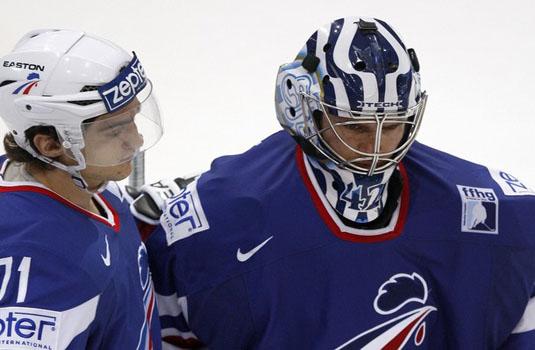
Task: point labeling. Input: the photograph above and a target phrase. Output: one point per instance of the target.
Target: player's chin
(119, 172)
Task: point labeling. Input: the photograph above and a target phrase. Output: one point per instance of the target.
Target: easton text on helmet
(23, 65)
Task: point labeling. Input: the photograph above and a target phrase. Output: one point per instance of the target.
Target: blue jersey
(71, 279)
(252, 256)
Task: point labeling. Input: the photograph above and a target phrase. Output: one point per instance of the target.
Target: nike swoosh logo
(242, 257)
(107, 258)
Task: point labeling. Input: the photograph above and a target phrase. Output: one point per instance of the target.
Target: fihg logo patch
(121, 90)
(479, 209)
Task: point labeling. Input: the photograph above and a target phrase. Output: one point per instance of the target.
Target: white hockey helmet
(358, 70)
(65, 78)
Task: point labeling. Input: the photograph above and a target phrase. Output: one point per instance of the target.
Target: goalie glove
(148, 202)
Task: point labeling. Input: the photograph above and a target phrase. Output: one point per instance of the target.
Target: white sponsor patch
(183, 215)
(121, 90)
(480, 209)
(510, 185)
(29, 328)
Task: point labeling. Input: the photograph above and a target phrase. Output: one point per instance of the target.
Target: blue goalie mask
(351, 72)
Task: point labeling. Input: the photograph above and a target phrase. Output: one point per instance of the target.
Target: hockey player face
(113, 139)
(345, 136)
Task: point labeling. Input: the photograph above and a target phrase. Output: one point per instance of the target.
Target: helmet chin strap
(80, 182)
(77, 178)
(73, 170)
(357, 198)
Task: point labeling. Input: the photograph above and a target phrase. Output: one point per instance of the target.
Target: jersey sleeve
(44, 300)
(201, 286)
(217, 315)
(176, 333)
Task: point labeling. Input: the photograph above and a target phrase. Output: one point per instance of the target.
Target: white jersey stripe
(76, 320)
(168, 305)
(527, 322)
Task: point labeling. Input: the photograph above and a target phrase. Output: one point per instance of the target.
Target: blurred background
(214, 63)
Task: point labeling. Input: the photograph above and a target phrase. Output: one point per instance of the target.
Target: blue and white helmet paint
(357, 69)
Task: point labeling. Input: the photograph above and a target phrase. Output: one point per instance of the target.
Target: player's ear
(47, 146)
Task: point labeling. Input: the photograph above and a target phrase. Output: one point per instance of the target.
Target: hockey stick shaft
(137, 178)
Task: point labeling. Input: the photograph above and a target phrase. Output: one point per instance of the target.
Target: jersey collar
(333, 221)
(111, 219)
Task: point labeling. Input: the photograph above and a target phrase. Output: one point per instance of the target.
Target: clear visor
(363, 142)
(116, 138)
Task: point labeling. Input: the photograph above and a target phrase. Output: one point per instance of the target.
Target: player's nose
(366, 142)
(132, 139)
(136, 141)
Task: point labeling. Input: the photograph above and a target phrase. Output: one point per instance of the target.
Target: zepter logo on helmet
(91, 91)
(353, 74)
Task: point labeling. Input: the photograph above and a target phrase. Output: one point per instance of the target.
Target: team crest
(399, 291)
(26, 87)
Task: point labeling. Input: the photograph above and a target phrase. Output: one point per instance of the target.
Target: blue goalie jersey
(251, 256)
(70, 279)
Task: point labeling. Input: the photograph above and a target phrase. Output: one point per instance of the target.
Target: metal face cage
(365, 163)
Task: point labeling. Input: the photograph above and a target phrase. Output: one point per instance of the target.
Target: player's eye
(391, 126)
(354, 127)
(113, 132)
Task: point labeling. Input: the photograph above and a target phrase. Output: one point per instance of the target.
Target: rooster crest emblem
(397, 292)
